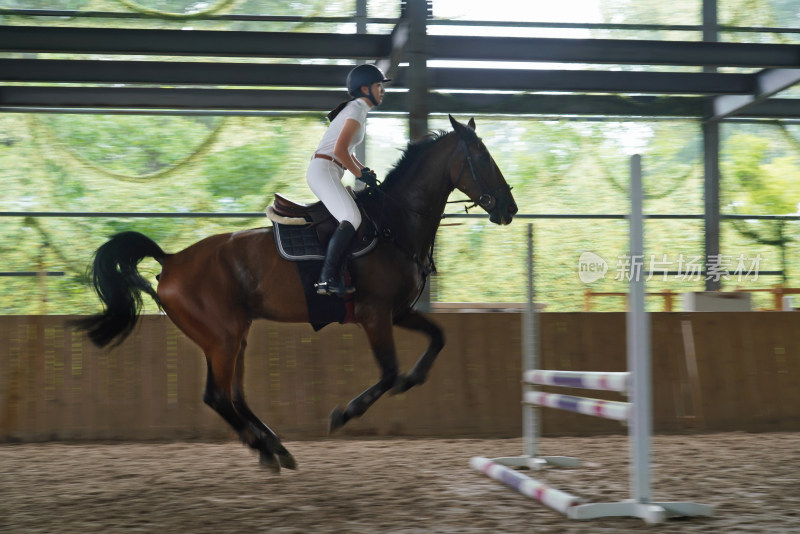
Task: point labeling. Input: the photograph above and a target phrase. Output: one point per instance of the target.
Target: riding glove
(368, 176)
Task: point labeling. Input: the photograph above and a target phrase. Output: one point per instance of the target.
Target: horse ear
(454, 122)
(471, 123)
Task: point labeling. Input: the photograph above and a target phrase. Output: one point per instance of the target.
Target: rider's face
(377, 90)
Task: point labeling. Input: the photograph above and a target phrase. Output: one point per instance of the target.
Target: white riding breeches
(325, 180)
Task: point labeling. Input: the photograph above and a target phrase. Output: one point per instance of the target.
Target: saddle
(302, 231)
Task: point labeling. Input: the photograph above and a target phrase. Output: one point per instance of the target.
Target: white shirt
(356, 110)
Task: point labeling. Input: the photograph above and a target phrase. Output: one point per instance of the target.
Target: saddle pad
(300, 243)
(323, 309)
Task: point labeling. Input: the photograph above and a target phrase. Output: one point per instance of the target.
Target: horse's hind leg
(223, 344)
(419, 373)
(225, 396)
(268, 444)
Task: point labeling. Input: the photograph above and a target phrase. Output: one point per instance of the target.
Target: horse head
(474, 173)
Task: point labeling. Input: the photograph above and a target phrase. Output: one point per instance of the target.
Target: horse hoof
(268, 460)
(337, 420)
(286, 460)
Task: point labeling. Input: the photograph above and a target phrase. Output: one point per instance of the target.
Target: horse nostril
(512, 209)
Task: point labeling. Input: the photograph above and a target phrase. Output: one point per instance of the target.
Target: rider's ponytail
(338, 109)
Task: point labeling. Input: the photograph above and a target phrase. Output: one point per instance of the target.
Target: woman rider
(333, 156)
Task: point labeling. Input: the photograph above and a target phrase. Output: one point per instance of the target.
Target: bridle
(487, 199)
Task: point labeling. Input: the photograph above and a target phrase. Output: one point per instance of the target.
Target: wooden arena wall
(55, 385)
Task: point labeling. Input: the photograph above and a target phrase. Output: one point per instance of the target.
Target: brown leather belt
(329, 158)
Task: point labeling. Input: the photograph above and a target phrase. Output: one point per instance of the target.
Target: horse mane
(410, 155)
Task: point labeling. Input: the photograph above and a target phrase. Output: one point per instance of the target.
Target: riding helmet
(364, 75)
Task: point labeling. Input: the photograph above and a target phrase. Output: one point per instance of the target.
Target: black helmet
(364, 75)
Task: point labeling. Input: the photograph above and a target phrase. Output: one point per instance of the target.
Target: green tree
(760, 172)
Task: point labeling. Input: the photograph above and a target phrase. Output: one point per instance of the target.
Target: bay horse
(215, 288)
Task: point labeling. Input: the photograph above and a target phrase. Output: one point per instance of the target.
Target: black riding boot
(331, 279)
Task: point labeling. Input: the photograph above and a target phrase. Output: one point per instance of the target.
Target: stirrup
(331, 287)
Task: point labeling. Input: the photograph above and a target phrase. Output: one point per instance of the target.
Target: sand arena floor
(392, 486)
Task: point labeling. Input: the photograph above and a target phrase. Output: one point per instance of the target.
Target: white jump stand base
(538, 462)
(651, 513)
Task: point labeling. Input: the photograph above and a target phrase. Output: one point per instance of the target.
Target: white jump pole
(531, 426)
(620, 411)
(531, 414)
(639, 366)
(606, 381)
(638, 345)
(558, 500)
(638, 412)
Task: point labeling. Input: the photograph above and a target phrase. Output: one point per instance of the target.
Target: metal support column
(711, 157)
(417, 13)
(361, 28)
(711, 196)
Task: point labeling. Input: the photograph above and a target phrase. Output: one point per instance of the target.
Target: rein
(388, 234)
(486, 200)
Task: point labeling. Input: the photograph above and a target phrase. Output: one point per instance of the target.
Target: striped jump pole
(578, 379)
(558, 500)
(619, 411)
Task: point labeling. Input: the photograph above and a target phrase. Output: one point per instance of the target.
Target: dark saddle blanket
(302, 231)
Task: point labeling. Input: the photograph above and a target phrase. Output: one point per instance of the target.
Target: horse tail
(119, 285)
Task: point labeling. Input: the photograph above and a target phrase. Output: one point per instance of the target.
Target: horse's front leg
(379, 332)
(417, 322)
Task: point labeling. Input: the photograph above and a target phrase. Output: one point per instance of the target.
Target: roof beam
(767, 82)
(192, 43)
(126, 100)
(144, 99)
(614, 51)
(331, 76)
(171, 73)
(772, 108)
(147, 98)
(371, 46)
(566, 105)
(589, 81)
